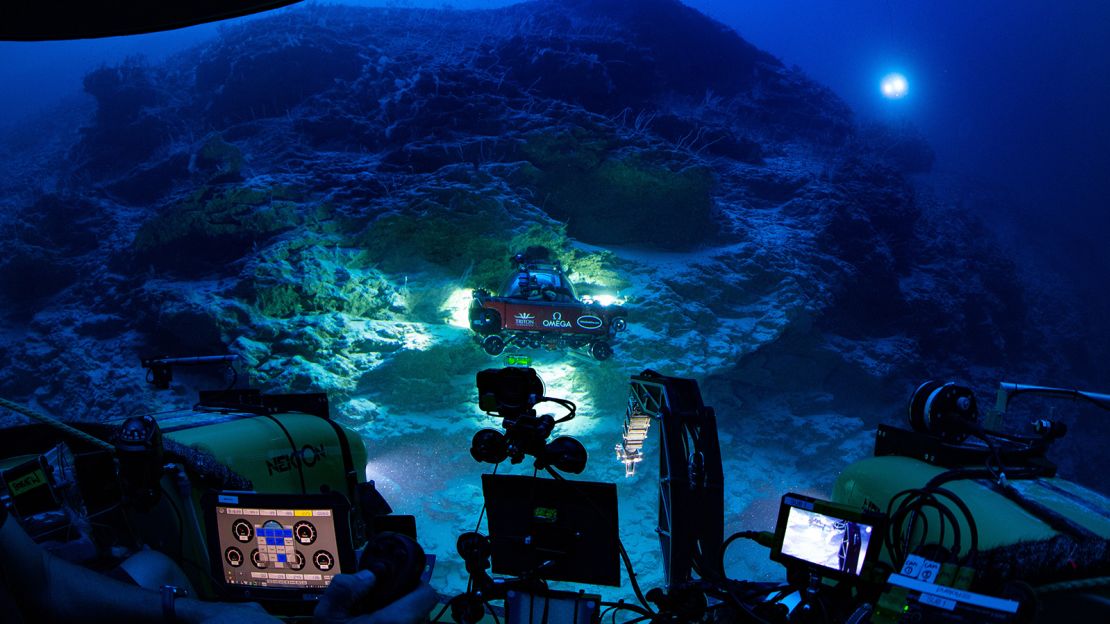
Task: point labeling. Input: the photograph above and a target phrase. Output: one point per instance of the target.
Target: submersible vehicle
(539, 307)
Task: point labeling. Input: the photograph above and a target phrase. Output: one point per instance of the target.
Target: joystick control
(397, 563)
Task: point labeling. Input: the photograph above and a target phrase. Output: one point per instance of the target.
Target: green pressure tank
(282, 453)
(872, 482)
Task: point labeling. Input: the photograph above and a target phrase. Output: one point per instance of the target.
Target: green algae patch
(212, 227)
(595, 272)
(468, 236)
(578, 149)
(294, 278)
(462, 234)
(612, 195)
(628, 200)
(220, 160)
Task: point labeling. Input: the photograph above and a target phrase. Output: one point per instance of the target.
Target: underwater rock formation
(354, 164)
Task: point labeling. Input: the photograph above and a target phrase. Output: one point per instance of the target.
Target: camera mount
(511, 393)
(160, 370)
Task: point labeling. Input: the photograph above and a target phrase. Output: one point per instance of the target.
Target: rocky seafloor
(312, 191)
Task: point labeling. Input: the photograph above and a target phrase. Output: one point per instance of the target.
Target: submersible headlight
(603, 299)
(475, 549)
(894, 86)
(489, 446)
(944, 409)
(565, 454)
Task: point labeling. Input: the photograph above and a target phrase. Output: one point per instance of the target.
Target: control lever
(397, 563)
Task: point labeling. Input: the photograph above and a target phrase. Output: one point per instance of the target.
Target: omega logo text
(556, 320)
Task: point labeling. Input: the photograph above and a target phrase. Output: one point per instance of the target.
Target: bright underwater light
(603, 299)
(894, 86)
(456, 309)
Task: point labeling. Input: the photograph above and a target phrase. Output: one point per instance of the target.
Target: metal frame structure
(691, 480)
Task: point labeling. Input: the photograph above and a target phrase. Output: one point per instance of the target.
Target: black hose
(571, 408)
(752, 535)
(293, 447)
(911, 509)
(620, 546)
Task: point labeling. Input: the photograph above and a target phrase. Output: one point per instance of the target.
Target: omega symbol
(556, 320)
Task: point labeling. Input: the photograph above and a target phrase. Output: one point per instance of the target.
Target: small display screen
(278, 548)
(827, 541)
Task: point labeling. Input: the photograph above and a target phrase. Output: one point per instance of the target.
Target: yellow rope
(57, 424)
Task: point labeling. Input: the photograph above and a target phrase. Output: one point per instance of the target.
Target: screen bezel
(341, 515)
(510, 501)
(876, 520)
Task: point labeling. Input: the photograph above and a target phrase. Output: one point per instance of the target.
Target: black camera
(512, 393)
(509, 392)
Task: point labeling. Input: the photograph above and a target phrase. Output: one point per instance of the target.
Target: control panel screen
(827, 541)
(278, 548)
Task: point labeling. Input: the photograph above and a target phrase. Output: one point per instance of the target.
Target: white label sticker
(799, 503)
(937, 601)
(912, 566)
(929, 572)
(951, 593)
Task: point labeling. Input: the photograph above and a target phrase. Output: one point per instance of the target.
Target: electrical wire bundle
(950, 412)
(908, 511)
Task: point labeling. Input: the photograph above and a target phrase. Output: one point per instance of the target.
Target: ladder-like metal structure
(691, 496)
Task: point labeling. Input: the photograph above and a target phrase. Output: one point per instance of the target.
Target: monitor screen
(827, 537)
(556, 530)
(263, 541)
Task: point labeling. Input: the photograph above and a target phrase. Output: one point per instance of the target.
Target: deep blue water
(1012, 95)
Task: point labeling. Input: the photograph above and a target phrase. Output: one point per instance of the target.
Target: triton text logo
(524, 319)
